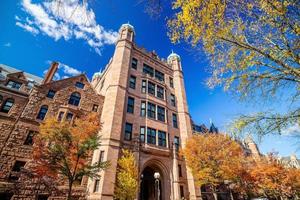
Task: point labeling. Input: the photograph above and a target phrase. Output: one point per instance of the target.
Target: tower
(145, 110)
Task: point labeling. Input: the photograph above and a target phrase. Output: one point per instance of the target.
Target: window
(60, 116)
(171, 83)
(144, 85)
(181, 191)
(79, 85)
(162, 139)
(161, 113)
(151, 110)
(29, 138)
(51, 94)
(159, 76)
(101, 156)
(8, 104)
(128, 131)
(13, 85)
(130, 105)
(173, 101)
(132, 82)
(174, 117)
(42, 197)
(151, 88)
(143, 109)
(75, 99)
(160, 92)
(148, 70)
(142, 134)
(151, 136)
(134, 63)
(95, 108)
(18, 166)
(69, 116)
(179, 171)
(176, 143)
(97, 184)
(42, 113)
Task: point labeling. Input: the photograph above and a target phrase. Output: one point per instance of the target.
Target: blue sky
(34, 33)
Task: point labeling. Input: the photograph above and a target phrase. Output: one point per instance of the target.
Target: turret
(174, 61)
(126, 32)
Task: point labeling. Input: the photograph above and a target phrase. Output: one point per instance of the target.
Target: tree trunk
(69, 195)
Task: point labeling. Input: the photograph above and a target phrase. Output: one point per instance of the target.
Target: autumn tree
(63, 149)
(272, 180)
(127, 177)
(253, 47)
(213, 159)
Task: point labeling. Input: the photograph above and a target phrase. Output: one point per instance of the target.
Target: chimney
(50, 73)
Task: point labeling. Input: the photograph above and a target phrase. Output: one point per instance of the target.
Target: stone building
(142, 102)
(25, 101)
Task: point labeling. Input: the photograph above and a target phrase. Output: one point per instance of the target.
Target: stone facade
(21, 121)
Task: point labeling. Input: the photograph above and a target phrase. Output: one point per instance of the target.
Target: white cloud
(292, 130)
(7, 44)
(65, 19)
(64, 71)
(69, 70)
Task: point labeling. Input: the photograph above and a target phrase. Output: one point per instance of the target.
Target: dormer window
(14, 85)
(79, 85)
(51, 94)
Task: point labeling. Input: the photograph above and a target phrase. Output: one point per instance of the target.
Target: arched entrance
(152, 184)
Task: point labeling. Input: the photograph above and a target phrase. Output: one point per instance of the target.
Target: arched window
(74, 99)
(7, 105)
(42, 113)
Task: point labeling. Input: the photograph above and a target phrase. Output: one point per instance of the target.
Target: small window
(181, 191)
(132, 82)
(97, 184)
(75, 99)
(8, 104)
(151, 88)
(176, 143)
(14, 85)
(18, 166)
(134, 63)
(173, 101)
(144, 86)
(42, 113)
(128, 131)
(29, 138)
(159, 76)
(69, 117)
(179, 171)
(174, 117)
(151, 110)
(79, 85)
(162, 141)
(95, 108)
(143, 109)
(142, 134)
(151, 136)
(51, 94)
(101, 156)
(171, 82)
(148, 70)
(160, 92)
(60, 116)
(161, 113)
(130, 105)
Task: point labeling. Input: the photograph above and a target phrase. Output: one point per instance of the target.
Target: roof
(5, 70)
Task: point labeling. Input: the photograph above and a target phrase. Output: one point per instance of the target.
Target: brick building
(142, 102)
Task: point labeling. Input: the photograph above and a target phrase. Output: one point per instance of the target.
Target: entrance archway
(151, 188)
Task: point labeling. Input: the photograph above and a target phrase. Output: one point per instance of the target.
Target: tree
(213, 159)
(63, 149)
(271, 179)
(127, 177)
(253, 46)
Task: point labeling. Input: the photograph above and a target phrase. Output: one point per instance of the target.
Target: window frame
(127, 132)
(143, 134)
(173, 100)
(175, 120)
(130, 105)
(151, 136)
(134, 64)
(29, 138)
(148, 70)
(162, 138)
(52, 92)
(151, 88)
(132, 84)
(159, 76)
(160, 92)
(41, 115)
(4, 106)
(143, 112)
(75, 100)
(14, 84)
(161, 116)
(79, 85)
(151, 110)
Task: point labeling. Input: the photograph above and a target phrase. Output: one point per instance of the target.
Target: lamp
(156, 175)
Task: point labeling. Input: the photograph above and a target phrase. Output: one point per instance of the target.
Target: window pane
(159, 76)
(151, 110)
(128, 131)
(51, 94)
(142, 134)
(79, 85)
(148, 70)
(173, 101)
(161, 113)
(160, 92)
(162, 138)
(151, 88)
(42, 113)
(29, 138)
(130, 105)
(8, 104)
(151, 136)
(171, 83)
(14, 85)
(69, 116)
(75, 99)
(144, 85)
(176, 142)
(95, 108)
(143, 109)
(132, 82)
(134, 63)
(175, 125)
